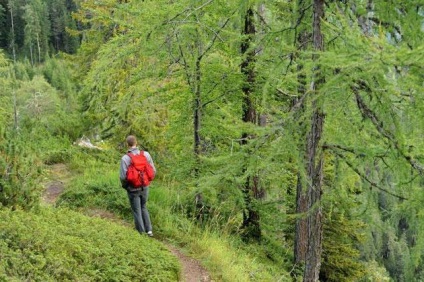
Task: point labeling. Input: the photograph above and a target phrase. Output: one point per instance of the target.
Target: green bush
(20, 172)
(97, 186)
(62, 245)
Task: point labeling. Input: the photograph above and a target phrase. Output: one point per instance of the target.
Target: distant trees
(34, 29)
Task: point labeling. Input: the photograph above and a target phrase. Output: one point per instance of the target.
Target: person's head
(131, 141)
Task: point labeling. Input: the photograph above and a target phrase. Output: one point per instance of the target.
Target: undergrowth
(63, 245)
(96, 185)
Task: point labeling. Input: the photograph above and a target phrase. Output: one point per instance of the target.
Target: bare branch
(185, 65)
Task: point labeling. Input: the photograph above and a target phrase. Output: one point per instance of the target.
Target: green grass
(225, 256)
(96, 185)
(64, 245)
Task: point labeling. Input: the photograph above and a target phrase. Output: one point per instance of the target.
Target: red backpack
(140, 173)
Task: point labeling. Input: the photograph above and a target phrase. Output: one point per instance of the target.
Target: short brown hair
(131, 140)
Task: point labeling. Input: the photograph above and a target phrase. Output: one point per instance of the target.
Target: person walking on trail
(137, 195)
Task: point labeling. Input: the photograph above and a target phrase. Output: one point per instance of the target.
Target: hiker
(137, 195)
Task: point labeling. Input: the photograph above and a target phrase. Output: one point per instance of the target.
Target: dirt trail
(54, 188)
(192, 270)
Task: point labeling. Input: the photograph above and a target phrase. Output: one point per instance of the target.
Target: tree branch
(185, 65)
(369, 114)
(364, 177)
(214, 39)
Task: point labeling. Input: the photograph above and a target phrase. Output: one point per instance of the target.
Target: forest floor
(192, 270)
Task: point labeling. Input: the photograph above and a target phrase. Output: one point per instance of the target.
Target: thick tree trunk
(301, 236)
(247, 68)
(251, 188)
(314, 161)
(315, 176)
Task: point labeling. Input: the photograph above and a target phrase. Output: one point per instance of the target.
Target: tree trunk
(247, 68)
(201, 211)
(31, 53)
(301, 231)
(39, 49)
(301, 236)
(12, 43)
(197, 110)
(251, 191)
(314, 160)
(197, 106)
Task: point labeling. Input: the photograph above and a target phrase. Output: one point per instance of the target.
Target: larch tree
(314, 157)
(251, 217)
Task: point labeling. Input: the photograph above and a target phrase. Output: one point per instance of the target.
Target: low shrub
(97, 187)
(63, 245)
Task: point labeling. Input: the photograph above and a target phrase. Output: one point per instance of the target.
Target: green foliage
(98, 186)
(20, 172)
(58, 73)
(19, 168)
(341, 261)
(37, 29)
(59, 245)
(38, 102)
(95, 186)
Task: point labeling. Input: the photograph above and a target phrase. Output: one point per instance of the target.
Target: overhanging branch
(378, 124)
(363, 176)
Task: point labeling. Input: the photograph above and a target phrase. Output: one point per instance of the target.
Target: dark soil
(54, 188)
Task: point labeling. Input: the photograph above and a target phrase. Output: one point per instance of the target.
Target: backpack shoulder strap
(131, 155)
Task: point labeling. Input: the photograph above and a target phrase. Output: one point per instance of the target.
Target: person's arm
(123, 172)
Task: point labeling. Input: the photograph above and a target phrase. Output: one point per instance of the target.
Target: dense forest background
(294, 128)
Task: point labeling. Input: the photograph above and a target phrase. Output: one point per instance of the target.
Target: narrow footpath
(192, 270)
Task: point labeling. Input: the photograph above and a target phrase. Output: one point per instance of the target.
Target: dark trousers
(138, 201)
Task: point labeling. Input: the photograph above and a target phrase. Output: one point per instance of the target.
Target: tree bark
(301, 235)
(314, 159)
